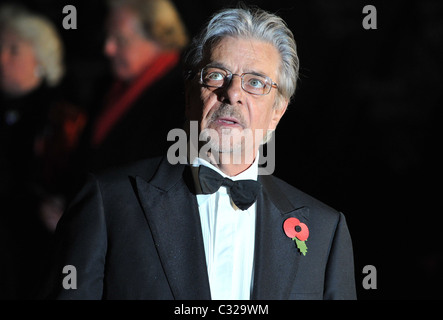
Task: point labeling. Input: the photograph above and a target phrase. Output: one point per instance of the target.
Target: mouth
(227, 121)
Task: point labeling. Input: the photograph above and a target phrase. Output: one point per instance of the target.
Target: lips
(227, 121)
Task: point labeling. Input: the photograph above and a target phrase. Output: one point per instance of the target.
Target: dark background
(362, 131)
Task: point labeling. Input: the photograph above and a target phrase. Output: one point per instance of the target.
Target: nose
(110, 47)
(234, 91)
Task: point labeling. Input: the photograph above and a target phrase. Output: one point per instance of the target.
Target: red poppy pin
(298, 232)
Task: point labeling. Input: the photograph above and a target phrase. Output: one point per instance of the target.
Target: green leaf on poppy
(301, 245)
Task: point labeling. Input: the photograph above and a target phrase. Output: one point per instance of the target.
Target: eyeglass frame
(230, 75)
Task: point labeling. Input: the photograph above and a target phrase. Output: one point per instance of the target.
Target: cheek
(261, 119)
(209, 102)
(127, 63)
(132, 61)
(200, 104)
(260, 126)
(21, 67)
(140, 55)
(28, 66)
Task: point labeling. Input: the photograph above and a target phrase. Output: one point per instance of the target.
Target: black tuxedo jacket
(135, 233)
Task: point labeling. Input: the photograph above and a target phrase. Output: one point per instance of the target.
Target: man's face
(129, 52)
(230, 112)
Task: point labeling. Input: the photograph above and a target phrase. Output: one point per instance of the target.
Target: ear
(279, 110)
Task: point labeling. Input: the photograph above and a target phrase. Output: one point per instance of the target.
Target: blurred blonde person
(31, 71)
(31, 51)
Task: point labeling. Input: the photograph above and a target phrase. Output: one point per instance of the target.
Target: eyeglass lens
(252, 83)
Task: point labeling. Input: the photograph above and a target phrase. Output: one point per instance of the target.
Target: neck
(230, 164)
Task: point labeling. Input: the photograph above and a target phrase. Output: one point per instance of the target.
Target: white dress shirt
(228, 236)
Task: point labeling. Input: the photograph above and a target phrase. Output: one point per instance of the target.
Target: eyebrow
(223, 66)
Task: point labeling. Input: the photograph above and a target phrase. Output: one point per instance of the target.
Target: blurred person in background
(130, 117)
(37, 126)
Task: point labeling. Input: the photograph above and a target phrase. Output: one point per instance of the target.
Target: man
(156, 230)
(129, 117)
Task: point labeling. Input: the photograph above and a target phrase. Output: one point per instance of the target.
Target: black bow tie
(243, 192)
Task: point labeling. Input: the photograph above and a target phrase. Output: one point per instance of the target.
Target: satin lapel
(172, 213)
(276, 257)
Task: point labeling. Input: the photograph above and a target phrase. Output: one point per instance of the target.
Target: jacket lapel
(171, 210)
(276, 256)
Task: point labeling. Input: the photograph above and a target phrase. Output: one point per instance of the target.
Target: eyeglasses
(250, 82)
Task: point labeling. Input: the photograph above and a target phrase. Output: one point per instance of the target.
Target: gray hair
(250, 23)
(41, 34)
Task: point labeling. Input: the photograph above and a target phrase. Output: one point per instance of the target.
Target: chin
(223, 142)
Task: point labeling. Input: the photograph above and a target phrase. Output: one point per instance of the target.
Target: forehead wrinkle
(215, 57)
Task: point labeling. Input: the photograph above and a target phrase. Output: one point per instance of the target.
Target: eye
(14, 49)
(215, 76)
(256, 83)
